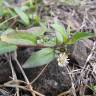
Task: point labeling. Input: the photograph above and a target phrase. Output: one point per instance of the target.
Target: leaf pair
(63, 35)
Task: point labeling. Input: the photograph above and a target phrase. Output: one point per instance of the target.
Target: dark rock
(52, 80)
(80, 51)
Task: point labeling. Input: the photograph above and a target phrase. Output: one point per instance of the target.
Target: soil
(55, 79)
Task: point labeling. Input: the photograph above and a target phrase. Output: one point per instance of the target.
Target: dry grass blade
(21, 87)
(23, 73)
(39, 74)
(88, 58)
(13, 72)
(65, 93)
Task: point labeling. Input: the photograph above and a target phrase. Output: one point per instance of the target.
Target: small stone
(80, 53)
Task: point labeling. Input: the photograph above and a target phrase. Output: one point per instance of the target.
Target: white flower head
(62, 59)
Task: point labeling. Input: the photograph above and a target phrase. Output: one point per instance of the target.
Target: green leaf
(36, 19)
(18, 38)
(94, 88)
(37, 31)
(2, 8)
(13, 14)
(60, 30)
(59, 38)
(1, 2)
(71, 2)
(40, 58)
(79, 36)
(68, 31)
(22, 15)
(4, 47)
